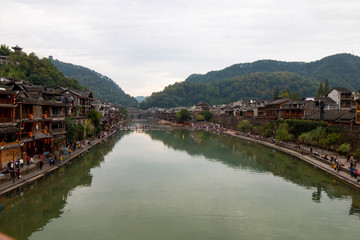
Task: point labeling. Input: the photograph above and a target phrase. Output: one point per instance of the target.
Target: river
(177, 184)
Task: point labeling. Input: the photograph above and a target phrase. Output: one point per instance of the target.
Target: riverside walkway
(304, 153)
(32, 172)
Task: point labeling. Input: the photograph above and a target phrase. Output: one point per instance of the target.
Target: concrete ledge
(343, 175)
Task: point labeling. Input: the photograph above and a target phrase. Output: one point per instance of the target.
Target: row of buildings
(32, 117)
(340, 106)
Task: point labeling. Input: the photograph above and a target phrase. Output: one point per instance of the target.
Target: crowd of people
(38, 161)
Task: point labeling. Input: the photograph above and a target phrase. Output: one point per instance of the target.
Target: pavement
(32, 172)
(305, 154)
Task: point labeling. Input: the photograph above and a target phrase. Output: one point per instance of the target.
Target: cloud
(147, 45)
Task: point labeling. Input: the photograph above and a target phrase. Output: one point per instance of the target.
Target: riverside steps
(305, 154)
(33, 172)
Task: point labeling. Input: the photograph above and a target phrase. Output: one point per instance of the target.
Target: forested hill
(342, 70)
(34, 70)
(252, 86)
(102, 87)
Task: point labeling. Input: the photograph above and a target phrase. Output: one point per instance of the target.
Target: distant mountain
(342, 70)
(258, 80)
(140, 98)
(102, 87)
(251, 86)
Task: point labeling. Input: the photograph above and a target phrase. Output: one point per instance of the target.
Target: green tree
(344, 148)
(276, 93)
(282, 132)
(123, 113)
(4, 50)
(183, 115)
(207, 115)
(200, 117)
(326, 87)
(88, 128)
(244, 125)
(95, 117)
(321, 90)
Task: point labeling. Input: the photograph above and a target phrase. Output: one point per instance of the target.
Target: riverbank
(33, 171)
(304, 153)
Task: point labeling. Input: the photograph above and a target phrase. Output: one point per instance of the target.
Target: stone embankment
(32, 172)
(306, 154)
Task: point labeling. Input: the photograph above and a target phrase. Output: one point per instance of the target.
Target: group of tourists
(209, 126)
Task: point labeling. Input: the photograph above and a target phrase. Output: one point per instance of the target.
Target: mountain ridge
(331, 67)
(103, 87)
(258, 80)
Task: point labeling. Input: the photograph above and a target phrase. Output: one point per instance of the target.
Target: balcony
(5, 120)
(6, 101)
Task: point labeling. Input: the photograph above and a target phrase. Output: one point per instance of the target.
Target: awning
(42, 136)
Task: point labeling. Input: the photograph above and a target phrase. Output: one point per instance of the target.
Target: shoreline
(326, 166)
(8, 185)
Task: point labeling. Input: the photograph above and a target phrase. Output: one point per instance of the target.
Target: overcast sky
(145, 45)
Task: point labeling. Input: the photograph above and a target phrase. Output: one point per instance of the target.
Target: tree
(207, 115)
(276, 93)
(183, 115)
(321, 90)
(200, 117)
(326, 87)
(88, 128)
(282, 132)
(4, 50)
(123, 113)
(95, 117)
(244, 125)
(344, 148)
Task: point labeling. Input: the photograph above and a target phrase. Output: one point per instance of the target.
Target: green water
(183, 185)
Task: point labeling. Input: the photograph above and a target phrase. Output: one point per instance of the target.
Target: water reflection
(240, 154)
(151, 192)
(30, 208)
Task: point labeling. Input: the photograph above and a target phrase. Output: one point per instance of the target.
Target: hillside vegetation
(252, 86)
(342, 70)
(102, 87)
(34, 70)
(259, 80)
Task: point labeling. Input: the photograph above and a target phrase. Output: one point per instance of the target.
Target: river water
(176, 184)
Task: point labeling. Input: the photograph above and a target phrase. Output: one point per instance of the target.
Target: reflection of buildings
(38, 206)
(241, 154)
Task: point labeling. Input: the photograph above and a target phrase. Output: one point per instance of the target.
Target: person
(21, 162)
(60, 158)
(356, 173)
(19, 173)
(41, 164)
(69, 151)
(31, 160)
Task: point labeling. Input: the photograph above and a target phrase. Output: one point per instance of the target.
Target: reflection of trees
(237, 153)
(33, 206)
